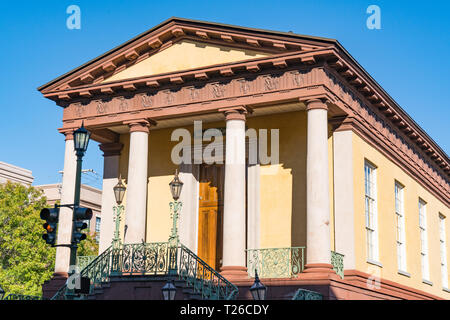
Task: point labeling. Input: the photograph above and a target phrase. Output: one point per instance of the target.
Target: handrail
(204, 279)
(157, 258)
(90, 271)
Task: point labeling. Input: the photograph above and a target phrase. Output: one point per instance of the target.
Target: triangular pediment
(181, 44)
(186, 55)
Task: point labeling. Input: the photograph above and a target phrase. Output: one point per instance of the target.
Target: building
(352, 202)
(9, 172)
(90, 197)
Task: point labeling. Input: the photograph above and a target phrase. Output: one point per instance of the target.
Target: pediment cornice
(173, 31)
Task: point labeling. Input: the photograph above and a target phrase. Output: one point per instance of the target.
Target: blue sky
(408, 57)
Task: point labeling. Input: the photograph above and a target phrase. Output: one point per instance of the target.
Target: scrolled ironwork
(13, 296)
(337, 260)
(303, 294)
(276, 262)
(159, 258)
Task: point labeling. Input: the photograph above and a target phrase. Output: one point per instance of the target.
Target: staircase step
(195, 296)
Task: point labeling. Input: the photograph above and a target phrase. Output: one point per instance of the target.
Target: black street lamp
(2, 293)
(169, 291)
(258, 290)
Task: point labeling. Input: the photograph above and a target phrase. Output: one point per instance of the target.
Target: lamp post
(119, 192)
(258, 290)
(175, 206)
(81, 140)
(169, 291)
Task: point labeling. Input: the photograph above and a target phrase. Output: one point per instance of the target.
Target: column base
(318, 271)
(50, 287)
(233, 273)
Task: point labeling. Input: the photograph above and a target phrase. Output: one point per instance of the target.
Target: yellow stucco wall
(386, 174)
(283, 186)
(194, 55)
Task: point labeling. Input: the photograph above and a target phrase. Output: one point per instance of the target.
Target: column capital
(315, 104)
(68, 132)
(140, 125)
(235, 113)
(111, 149)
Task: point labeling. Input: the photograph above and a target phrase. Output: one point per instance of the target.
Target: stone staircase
(139, 271)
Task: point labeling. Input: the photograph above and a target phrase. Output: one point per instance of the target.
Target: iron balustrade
(83, 261)
(204, 279)
(284, 262)
(303, 294)
(157, 259)
(13, 296)
(337, 260)
(276, 262)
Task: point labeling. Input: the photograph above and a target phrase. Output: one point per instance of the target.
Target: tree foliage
(88, 247)
(26, 261)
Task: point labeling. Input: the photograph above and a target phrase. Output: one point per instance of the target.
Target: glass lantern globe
(169, 291)
(175, 187)
(81, 139)
(119, 191)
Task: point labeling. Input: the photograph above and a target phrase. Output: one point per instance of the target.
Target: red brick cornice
(111, 149)
(316, 104)
(140, 125)
(235, 113)
(67, 132)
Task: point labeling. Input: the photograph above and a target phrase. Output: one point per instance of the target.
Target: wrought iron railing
(337, 260)
(205, 280)
(276, 262)
(159, 258)
(13, 296)
(83, 261)
(303, 294)
(284, 262)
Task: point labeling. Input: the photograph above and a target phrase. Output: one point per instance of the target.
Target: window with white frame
(371, 211)
(423, 240)
(400, 224)
(444, 271)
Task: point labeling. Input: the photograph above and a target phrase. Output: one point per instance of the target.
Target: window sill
(376, 263)
(428, 282)
(404, 273)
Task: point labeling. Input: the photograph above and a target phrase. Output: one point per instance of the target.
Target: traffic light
(50, 215)
(80, 214)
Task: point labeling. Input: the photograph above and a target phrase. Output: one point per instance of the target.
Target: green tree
(26, 261)
(88, 247)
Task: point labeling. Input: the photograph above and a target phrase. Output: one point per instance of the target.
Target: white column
(188, 219)
(234, 196)
(111, 156)
(62, 259)
(317, 186)
(136, 201)
(343, 196)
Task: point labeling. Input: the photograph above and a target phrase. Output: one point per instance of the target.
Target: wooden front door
(210, 219)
